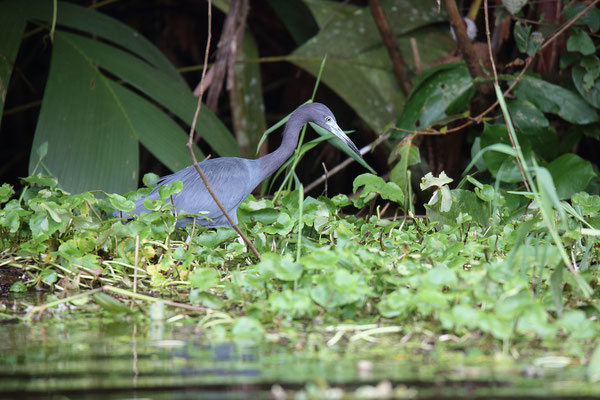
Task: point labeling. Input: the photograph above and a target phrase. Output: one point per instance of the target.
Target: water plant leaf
(247, 330)
(111, 304)
(6, 192)
(591, 18)
(586, 77)
(18, 287)
(593, 368)
(373, 184)
(204, 278)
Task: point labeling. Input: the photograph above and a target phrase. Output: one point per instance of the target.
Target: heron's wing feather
(232, 180)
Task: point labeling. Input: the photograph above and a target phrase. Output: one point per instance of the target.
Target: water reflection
(124, 357)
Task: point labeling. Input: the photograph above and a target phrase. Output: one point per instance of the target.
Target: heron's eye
(328, 119)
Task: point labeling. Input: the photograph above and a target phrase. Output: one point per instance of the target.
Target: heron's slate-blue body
(233, 179)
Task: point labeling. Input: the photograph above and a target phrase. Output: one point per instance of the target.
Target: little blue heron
(233, 179)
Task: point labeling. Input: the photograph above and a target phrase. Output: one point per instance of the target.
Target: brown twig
(416, 56)
(230, 43)
(489, 41)
(191, 135)
(392, 47)
(465, 46)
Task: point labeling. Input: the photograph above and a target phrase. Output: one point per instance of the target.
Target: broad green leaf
(587, 80)
(397, 303)
(248, 329)
(288, 300)
(93, 22)
(357, 59)
(214, 238)
(141, 65)
(344, 281)
(581, 42)
(246, 99)
(42, 180)
(445, 91)
(591, 18)
(121, 203)
(91, 144)
(166, 191)
(535, 127)
(374, 184)
(6, 192)
(49, 276)
(440, 276)
(555, 99)
(12, 26)
(18, 287)
(204, 278)
(287, 269)
(324, 11)
(571, 174)
(494, 160)
(168, 90)
(320, 259)
(589, 204)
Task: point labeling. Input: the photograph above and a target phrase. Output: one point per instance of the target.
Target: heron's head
(321, 115)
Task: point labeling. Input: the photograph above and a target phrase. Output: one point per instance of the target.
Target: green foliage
(92, 118)
(374, 186)
(359, 68)
(438, 96)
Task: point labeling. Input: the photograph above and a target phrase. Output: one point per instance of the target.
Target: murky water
(112, 357)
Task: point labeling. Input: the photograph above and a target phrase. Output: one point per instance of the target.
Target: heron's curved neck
(272, 161)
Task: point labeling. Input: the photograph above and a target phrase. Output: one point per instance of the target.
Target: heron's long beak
(337, 131)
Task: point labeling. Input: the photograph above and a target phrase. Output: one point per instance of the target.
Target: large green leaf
(90, 21)
(571, 174)
(586, 78)
(172, 93)
(445, 90)
(12, 26)
(246, 99)
(555, 99)
(91, 142)
(358, 65)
